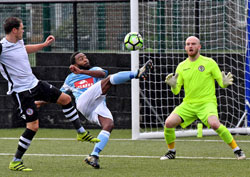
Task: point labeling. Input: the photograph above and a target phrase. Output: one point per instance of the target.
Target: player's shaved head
(193, 38)
(193, 47)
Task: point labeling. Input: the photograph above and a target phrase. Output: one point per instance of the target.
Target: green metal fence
(100, 25)
(88, 26)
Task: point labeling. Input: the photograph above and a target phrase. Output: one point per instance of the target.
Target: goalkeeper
(197, 74)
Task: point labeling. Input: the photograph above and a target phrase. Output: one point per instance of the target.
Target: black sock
(71, 114)
(24, 142)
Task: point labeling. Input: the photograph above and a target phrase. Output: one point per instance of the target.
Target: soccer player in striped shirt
(197, 74)
(26, 89)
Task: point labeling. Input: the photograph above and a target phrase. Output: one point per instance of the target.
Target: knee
(67, 99)
(214, 125)
(34, 126)
(64, 99)
(169, 124)
(109, 126)
(173, 120)
(214, 122)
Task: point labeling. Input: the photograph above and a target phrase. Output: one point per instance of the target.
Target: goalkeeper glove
(227, 79)
(171, 79)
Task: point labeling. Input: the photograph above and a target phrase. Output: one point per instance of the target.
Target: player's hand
(74, 69)
(40, 103)
(227, 79)
(171, 79)
(50, 39)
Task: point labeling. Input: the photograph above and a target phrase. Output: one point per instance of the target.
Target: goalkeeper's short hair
(72, 58)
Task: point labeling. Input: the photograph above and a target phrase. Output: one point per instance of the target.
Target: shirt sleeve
(100, 69)
(65, 87)
(179, 82)
(216, 72)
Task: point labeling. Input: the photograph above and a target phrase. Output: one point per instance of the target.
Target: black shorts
(25, 100)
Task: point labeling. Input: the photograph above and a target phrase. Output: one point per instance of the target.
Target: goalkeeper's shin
(169, 134)
(224, 133)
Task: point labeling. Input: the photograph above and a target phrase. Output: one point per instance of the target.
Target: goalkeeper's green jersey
(198, 79)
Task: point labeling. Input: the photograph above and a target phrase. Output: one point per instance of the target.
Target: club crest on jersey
(29, 111)
(201, 68)
(86, 83)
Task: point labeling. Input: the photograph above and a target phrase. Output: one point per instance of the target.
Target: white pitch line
(121, 156)
(73, 139)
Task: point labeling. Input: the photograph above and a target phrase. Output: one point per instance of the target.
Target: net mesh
(221, 27)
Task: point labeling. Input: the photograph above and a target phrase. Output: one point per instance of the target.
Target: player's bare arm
(36, 47)
(97, 73)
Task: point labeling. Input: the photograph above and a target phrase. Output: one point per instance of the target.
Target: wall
(53, 67)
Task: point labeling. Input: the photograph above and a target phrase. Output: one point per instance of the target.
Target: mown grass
(123, 157)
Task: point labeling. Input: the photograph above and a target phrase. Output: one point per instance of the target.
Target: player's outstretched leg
(143, 71)
(18, 166)
(124, 76)
(87, 137)
(93, 160)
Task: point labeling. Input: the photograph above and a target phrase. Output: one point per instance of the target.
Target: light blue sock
(122, 77)
(104, 137)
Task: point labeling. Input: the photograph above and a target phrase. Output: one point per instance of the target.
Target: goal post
(247, 67)
(135, 93)
(223, 28)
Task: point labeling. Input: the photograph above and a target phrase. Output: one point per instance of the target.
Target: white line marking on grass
(121, 156)
(73, 139)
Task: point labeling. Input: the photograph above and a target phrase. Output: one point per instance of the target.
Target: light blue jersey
(79, 83)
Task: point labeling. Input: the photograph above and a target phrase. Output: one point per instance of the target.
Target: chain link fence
(89, 26)
(100, 25)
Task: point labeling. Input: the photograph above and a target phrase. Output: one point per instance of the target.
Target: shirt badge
(201, 68)
(29, 111)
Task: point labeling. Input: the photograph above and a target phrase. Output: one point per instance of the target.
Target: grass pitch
(56, 153)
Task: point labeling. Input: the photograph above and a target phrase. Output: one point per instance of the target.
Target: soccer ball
(133, 41)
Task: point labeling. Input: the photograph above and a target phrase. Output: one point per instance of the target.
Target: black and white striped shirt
(15, 67)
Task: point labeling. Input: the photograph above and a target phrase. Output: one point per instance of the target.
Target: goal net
(222, 26)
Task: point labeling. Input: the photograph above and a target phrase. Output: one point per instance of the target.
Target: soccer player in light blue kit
(89, 86)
